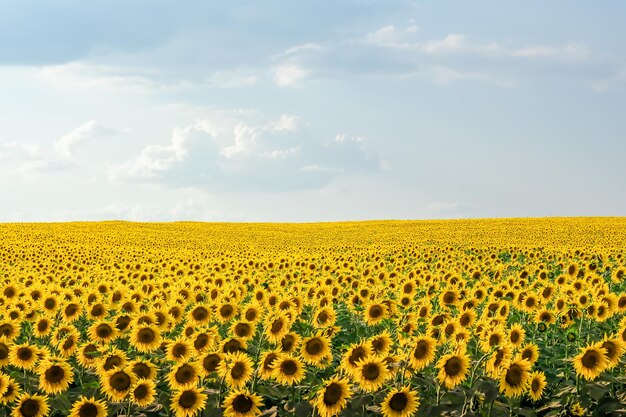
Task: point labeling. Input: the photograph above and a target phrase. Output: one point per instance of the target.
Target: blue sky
(311, 111)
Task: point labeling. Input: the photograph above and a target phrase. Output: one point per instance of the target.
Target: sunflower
(517, 334)
(614, 350)
(381, 344)
(537, 385)
(355, 353)
(333, 397)
(374, 313)
(241, 403)
(324, 317)
(226, 311)
(31, 406)
(145, 338)
(143, 369)
(210, 363)
(236, 369)
(102, 332)
(184, 375)
(11, 393)
(110, 360)
(515, 378)
(24, 356)
(117, 383)
(54, 376)
(453, 369)
(289, 342)
(276, 326)
(43, 327)
(188, 402)
(498, 360)
(179, 349)
(89, 407)
(371, 373)
(288, 370)
(199, 315)
(423, 353)
(315, 349)
(143, 392)
(400, 403)
(243, 329)
(530, 352)
(591, 362)
(467, 318)
(494, 337)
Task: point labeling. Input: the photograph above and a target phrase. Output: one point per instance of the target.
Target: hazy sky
(311, 110)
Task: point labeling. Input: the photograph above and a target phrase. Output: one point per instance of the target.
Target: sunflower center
(251, 315)
(378, 344)
(277, 326)
(421, 350)
(146, 335)
(141, 392)
(494, 340)
(314, 346)
(322, 317)
(55, 374)
(211, 362)
(141, 370)
(24, 354)
(464, 320)
(449, 297)
(242, 329)
(332, 394)
(200, 313)
(527, 354)
(120, 381)
(534, 385)
(184, 374)
(514, 375)
(111, 362)
(238, 370)
(590, 359)
(179, 350)
(242, 403)
(610, 349)
(376, 311)
(50, 303)
(187, 399)
(88, 410)
(398, 401)
(514, 337)
(232, 346)
(356, 355)
(71, 309)
(42, 326)
(103, 330)
(29, 408)
(226, 310)
(288, 367)
(453, 366)
(371, 371)
(4, 351)
(287, 343)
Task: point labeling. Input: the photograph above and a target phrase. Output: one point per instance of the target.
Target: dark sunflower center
(494, 340)
(527, 354)
(200, 313)
(464, 320)
(42, 326)
(242, 403)
(378, 344)
(226, 310)
(4, 351)
(514, 375)
(376, 311)
(398, 401)
(111, 362)
(104, 330)
(288, 367)
(232, 346)
(421, 350)
(29, 408)
(141, 370)
(515, 336)
(211, 362)
(88, 410)
(356, 355)
(535, 385)
(24, 354)
(201, 341)
(449, 297)
(277, 326)
(242, 329)
(120, 381)
(322, 317)
(332, 394)
(610, 349)
(69, 342)
(187, 399)
(371, 371)
(179, 350)
(287, 343)
(71, 309)
(314, 346)
(184, 374)
(590, 359)
(146, 335)
(141, 392)
(238, 370)
(251, 315)
(122, 323)
(97, 310)
(453, 366)
(50, 303)
(54, 374)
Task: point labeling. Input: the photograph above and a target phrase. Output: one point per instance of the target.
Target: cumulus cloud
(235, 152)
(24, 158)
(288, 75)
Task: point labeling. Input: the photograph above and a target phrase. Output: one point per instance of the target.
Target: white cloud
(63, 146)
(288, 75)
(234, 153)
(391, 37)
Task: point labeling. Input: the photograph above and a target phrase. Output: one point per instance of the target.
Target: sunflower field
(468, 318)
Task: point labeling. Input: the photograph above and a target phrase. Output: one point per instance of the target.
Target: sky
(306, 111)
